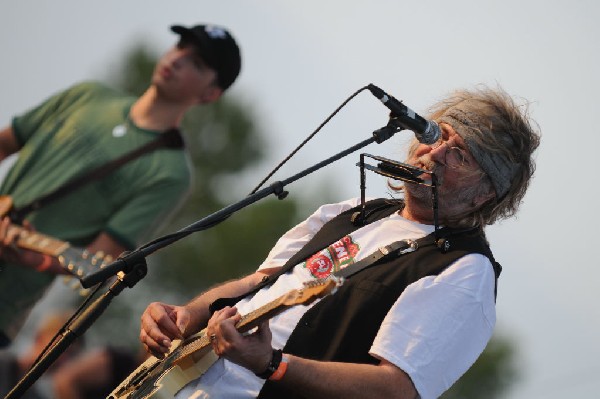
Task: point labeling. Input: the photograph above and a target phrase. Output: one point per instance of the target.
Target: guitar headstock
(81, 264)
(312, 290)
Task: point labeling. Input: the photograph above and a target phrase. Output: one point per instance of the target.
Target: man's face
(457, 172)
(181, 75)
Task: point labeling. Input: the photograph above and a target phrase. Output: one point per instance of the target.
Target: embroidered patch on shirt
(333, 258)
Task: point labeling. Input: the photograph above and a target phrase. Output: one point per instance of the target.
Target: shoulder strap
(169, 139)
(471, 240)
(392, 250)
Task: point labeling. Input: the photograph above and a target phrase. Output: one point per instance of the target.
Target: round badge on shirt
(119, 130)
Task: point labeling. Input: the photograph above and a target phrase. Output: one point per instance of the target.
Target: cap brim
(201, 42)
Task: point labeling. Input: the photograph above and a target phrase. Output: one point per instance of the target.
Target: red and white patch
(320, 265)
(335, 257)
(343, 252)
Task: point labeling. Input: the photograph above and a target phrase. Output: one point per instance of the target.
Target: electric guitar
(188, 359)
(78, 262)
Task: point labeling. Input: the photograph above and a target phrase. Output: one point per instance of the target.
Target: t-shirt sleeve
(49, 112)
(440, 325)
(294, 239)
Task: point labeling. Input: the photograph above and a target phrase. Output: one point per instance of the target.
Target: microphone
(427, 132)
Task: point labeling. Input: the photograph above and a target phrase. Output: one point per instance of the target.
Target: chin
(418, 192)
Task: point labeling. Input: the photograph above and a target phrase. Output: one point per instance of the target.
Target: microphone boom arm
(126, 262)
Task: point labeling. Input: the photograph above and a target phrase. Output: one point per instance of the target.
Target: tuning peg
(98, 256)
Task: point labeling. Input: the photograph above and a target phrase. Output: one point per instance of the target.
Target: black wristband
(273, 365)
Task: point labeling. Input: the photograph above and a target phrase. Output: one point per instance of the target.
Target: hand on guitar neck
(24, 246)
(12, 238)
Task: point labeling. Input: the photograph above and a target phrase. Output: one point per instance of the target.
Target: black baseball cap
(217, 48)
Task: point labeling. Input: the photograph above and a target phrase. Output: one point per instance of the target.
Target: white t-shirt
(434, 331)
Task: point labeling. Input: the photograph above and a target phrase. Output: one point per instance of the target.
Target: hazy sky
(302, 59)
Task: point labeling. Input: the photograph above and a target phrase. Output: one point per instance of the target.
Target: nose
(179, 57)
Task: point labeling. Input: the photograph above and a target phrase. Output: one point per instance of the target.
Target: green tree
(491, 375)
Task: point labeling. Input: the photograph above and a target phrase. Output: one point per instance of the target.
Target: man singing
(407, 326)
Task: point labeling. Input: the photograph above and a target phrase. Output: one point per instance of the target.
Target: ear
(484, 197)
(210, 94)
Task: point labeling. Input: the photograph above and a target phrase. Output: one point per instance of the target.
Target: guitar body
(163, 378)
(189, 359)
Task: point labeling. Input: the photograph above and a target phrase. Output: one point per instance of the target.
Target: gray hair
(500, 135)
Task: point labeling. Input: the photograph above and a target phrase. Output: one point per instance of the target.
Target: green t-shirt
(72, 132)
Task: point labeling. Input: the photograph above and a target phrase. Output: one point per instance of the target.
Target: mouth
(430, 168)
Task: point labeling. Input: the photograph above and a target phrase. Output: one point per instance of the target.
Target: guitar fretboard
(38, 242)
(250, 320)
(247, 322)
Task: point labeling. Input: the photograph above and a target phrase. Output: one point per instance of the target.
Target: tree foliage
(491, 375)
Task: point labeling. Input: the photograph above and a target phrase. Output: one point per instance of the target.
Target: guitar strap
(168, 139)
(339, 227)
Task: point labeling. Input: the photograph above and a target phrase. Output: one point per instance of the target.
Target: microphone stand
(277, 188)
(131, 267)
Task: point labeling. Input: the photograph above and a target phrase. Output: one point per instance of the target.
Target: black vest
(342, 327)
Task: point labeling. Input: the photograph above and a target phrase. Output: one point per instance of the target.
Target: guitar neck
(44, 244)
(248, 321)
(305, 295)
(252, 319)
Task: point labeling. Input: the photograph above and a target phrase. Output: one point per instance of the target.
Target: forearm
(317, 379)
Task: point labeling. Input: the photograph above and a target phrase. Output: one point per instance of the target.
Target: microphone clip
(382, 134)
